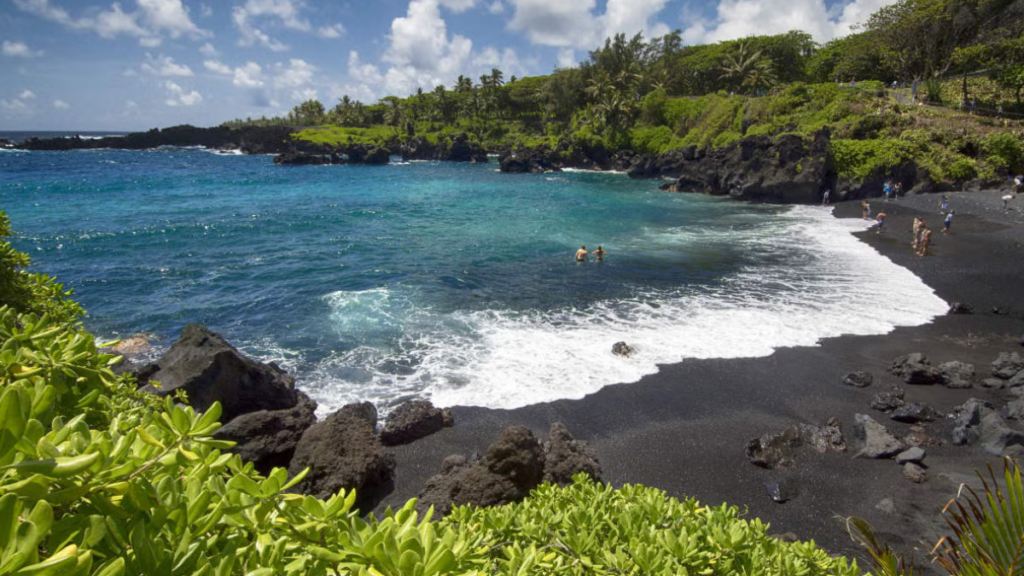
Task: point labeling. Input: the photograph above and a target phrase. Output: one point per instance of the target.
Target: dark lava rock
(1017, 381)
(916, 369)
(565, 456)
(343, 452)
(858, 379)
(888, 401)
(296, 158)
(777, 450)
(1007, 365)
(914, 413)
(533, 160)
(411, 421)
(915, 473)
(977, 422)
(782, 490)
(267, 438)
(512, 467)
(914, 454)
(1015, 409)
(622, 349)
(209, 370)
(956, 374)
(994, 383)
(878, 442)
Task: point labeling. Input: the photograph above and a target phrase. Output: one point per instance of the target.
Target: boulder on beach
(343, 452)
(268, 438)
(778, 450)
(564, 456)
(913, 454)
(956, 374)
(622, 349)
(916, 369)
(1007, 365)
(411, 421)
(208, 370)
(877, 441)
(888, 401)
(978, 423)
(914, 413)
(915, 473)
(859, 379)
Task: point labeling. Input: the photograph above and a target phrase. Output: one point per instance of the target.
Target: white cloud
(153, 19)
(457, 6)
(421, 54)
(297, 73)
(248, 76)
(170, 16)
(26, 95)
(205, 10)
(741, 18)
(178, 96)
(19, 49)
(252, 18)
(217, 67)
(61, 105)
(333, 31)
(208, 50)
(14, 106)
(304, 94)
(496, 7)
(572, 23)
(165, 67)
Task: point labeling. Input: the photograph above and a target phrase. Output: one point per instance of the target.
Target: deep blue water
(448, 281)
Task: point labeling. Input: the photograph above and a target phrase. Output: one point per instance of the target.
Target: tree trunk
(964, 87)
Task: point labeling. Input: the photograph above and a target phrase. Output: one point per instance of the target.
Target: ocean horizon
(450, 282)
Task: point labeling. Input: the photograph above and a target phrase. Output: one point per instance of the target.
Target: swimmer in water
(581, 254)
(599, 253)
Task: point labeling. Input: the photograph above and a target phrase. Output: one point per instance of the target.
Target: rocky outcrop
(914, 413)
(457, 148)
(512, 466)
(411, 421)
(268, 438)
(787, 169)
(956, 374)
(622, 349)
(531, 160)
(888, 401)
(319, 155)
(250, 139)
(343, 452)
(565, 456)
(208, 370)
(1007, 365)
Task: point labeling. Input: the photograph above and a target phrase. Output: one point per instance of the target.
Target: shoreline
(684, 429)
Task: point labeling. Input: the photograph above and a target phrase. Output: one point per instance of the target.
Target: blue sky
(139, 64)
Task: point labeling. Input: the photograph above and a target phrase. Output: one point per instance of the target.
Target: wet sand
(684, 429)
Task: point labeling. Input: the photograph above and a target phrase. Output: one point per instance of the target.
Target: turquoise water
(448, 281)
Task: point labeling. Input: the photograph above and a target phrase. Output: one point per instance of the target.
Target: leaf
(56, 467)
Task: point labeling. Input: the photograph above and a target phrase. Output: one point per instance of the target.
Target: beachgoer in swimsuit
(581, 254)
(947, 222)
(926, 239)
(865, 210)
(881, 222)
(918, 224)
(896, 191)
(599, 253)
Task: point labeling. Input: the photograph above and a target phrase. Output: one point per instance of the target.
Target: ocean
(450, 282)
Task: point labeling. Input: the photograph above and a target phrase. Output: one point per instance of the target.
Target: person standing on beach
(887, 189)
(881, 222)
(824, 197)
(918, 224)
(926, 240)
(896, 191)
(599, 253)
(947, 222)
(865, 209)
(581, 254)
(945, 204)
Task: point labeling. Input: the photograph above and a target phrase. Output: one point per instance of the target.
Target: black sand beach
(685, 428)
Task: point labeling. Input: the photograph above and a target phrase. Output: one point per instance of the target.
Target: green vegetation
(98, 478)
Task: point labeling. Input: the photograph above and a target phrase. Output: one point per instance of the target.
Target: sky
(140, 64)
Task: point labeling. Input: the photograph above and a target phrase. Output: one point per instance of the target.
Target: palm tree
(746, 69)
(393, 114)
(463, 85)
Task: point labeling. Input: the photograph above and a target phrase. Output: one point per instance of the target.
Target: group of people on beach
(922, 236)
(893, 190)
(583, 256)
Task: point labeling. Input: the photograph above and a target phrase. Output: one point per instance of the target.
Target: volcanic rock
(878, 442)
(858, 379)
(956, 374)
(411, 421)
(1007, 365)
(267, 438)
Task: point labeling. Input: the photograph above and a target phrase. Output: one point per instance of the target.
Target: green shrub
(862, 159)
(656, 140)
(962, 169)
(1007, 148)
(31, 292)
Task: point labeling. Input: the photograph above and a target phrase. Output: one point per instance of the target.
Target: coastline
(684, 428)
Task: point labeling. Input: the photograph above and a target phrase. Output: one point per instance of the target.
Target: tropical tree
(747, 70)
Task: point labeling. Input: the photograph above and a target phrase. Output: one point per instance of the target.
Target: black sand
(684, 429)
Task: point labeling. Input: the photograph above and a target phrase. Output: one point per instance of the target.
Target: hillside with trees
(937, 82)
